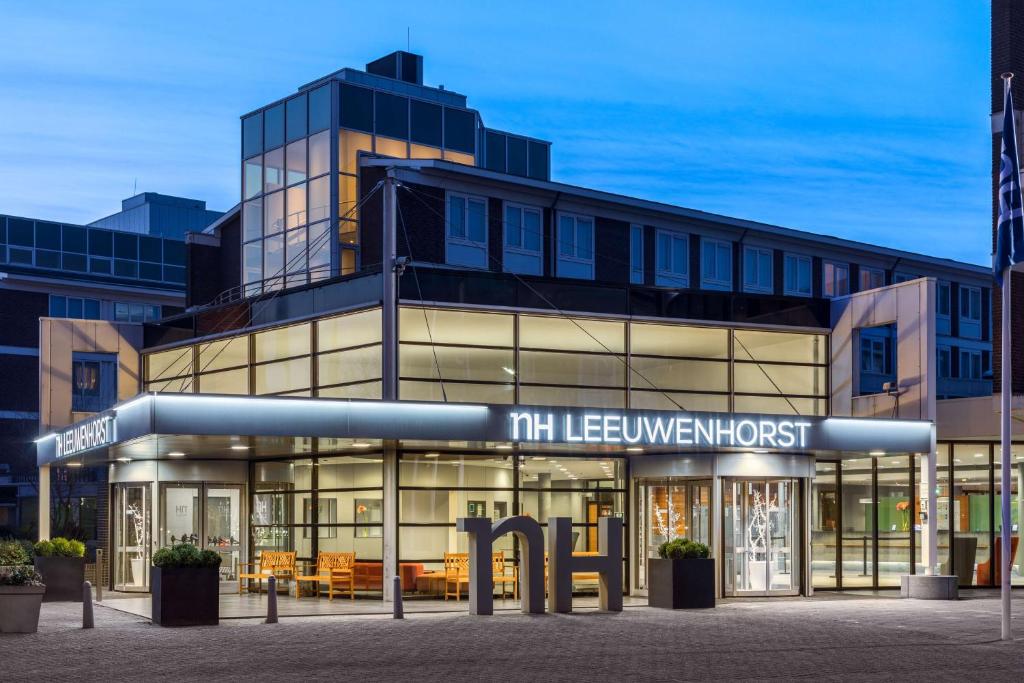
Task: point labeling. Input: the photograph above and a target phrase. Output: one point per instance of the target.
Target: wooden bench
(277, 563)
(334, 569)
(456, 572)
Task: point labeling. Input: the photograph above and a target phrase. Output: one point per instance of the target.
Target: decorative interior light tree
(138, 550)
(759, 533)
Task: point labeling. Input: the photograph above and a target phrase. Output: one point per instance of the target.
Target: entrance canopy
(156, 426)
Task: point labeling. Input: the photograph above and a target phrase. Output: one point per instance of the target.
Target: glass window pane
(319, 199)
(390, 147)
(584, 238)
(569, 396)
(765, 378)
(477, 221)
(273, 262)
(392, 115)
(320, 109)
(681, 375)
(356, 107)
(319, 251)
(252, 135)
(456, 216)
(273, 213)
(532, 230)
(516, 155)
(273, 127)
(58, 306)
(354, 365)
(295, 156)
(319, 154)
(459, 130)
(273, 170)
(576, 334)
(679, 340)
(296, 117)
(296, 206)
(286, 375)
(253, 262)
(170, 363)
(541, 367)
(455, 327)
(225, 382)
(252, 220)
(349, 145)
(354, 329)
(456, 363)
(426, 122)
(513, 226)
(282, 342)
(780, 346)
(295, 254)
(224, 353)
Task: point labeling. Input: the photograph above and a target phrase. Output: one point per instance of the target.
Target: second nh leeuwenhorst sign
(677, 430)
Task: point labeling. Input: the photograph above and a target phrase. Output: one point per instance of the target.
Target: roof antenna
(135, 186)
(408, 40)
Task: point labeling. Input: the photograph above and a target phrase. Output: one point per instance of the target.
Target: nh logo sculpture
(561, 562)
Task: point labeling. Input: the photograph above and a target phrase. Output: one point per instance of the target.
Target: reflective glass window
(101, 242)
(354, 329)
(273, 262)
(426, 122)
(126, 245)
(392, 115)
(356, 107)
(273, 127)
(150, 248)
(319, 154)
(224, 353)
(516, 155)
(47, 235)
(282, 342)
(20, 232)
(296, 118)
(253, 177)
(495, 150)
(320, 109)
(252, 219)
(319, 207)
(295, 162)
(252, 135)
(273, 170)
(539, 163)
(273, 213)
(295, 206)
(77, 262)
(459, 130)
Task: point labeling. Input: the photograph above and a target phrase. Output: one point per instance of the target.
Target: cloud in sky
(865, 120)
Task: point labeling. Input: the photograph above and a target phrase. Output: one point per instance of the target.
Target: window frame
(869, 270)
(636, 251)
(757, 288)
(522, 250)
(671, 278)
(575, 258)
(797, 259)
(835, 266)
(948, 351)
(707, 282)
(466, 241)
(969, 355)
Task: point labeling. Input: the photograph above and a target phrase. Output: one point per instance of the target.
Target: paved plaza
(824, 638)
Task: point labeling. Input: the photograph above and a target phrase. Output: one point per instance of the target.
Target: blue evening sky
(867, 120)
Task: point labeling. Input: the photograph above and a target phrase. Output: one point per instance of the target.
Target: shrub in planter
(21, 594)
(61, 561)
(683, 576)
(186, 586)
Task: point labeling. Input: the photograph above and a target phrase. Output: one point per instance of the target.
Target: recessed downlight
(124, 459)
(239, 447)
(175, 454)
(431, 455)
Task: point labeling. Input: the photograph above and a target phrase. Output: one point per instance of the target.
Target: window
(296, 118)
(943, 305)
(672, 259)
(871, 278)
(902, 277)
(523, 235)
(835, 279)
(74, 307)
(467, 231)
(797, 275)
(392, 115)
(575, 246)
(125, 312)
(873, 358)
(459, 130)
(636, 254)
(970, 312)
(716, 260)
(943, 363)
(94, 382)
(516, 155)
(757, 270)
(970, 364)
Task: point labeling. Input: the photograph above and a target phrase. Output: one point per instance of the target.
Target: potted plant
(61, 563)
(21, 590)
(186, 586)
(682, 576)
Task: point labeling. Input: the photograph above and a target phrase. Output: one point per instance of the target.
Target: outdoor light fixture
(876, 453)
(175, 454)
(635, 449)
(239, 447)
(73, 464)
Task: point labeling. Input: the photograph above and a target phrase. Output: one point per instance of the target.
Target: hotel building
(406, 321)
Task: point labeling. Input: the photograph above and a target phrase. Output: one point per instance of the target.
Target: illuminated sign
(660, 430)
(85, 436)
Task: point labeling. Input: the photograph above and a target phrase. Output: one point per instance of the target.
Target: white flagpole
(1005, 434)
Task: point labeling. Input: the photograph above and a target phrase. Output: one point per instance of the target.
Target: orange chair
(985, 568)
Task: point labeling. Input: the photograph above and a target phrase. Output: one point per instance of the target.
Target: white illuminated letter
(518, 418)
(719, 441)
(751, 428)
(767, 433)
(803, 427)
(786, 436)
(611, 426)
(569, 436)
(661, 432)
(705, 430)
(547, 426)
(684, 431)
(635, 436)
(592, 428)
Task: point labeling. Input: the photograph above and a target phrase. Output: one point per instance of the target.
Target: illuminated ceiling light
(175, 454)
(635, 449)
(124, 459)
(431, 455)
(239, 447)
(760, 451)
(361, 444)
(876, 452)
(73, 464)
(509, 370)
(539, 457)
(504, 447)
(978, 455)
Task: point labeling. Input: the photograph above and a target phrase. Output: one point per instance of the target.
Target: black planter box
(63, 577)
(681, 584)
(185, 596)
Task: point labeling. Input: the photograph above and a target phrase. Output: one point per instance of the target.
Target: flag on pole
(1010, 229)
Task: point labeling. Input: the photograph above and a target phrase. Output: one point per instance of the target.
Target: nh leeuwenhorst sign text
(678, 430)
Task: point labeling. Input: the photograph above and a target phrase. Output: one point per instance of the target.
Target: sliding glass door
(761, 534)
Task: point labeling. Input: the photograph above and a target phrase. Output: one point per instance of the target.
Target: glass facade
(106, 254)
(434, 489)
(481, 357)
(329, 503)
(866, 522)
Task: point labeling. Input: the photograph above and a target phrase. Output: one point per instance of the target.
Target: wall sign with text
(86, 436)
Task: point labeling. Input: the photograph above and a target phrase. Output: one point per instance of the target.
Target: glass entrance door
(205, 515)
(669, 509)
(761, 537)
(132, 532)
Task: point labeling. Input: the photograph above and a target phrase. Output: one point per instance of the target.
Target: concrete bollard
(396, 605)
(271, 601)
(87, 620)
